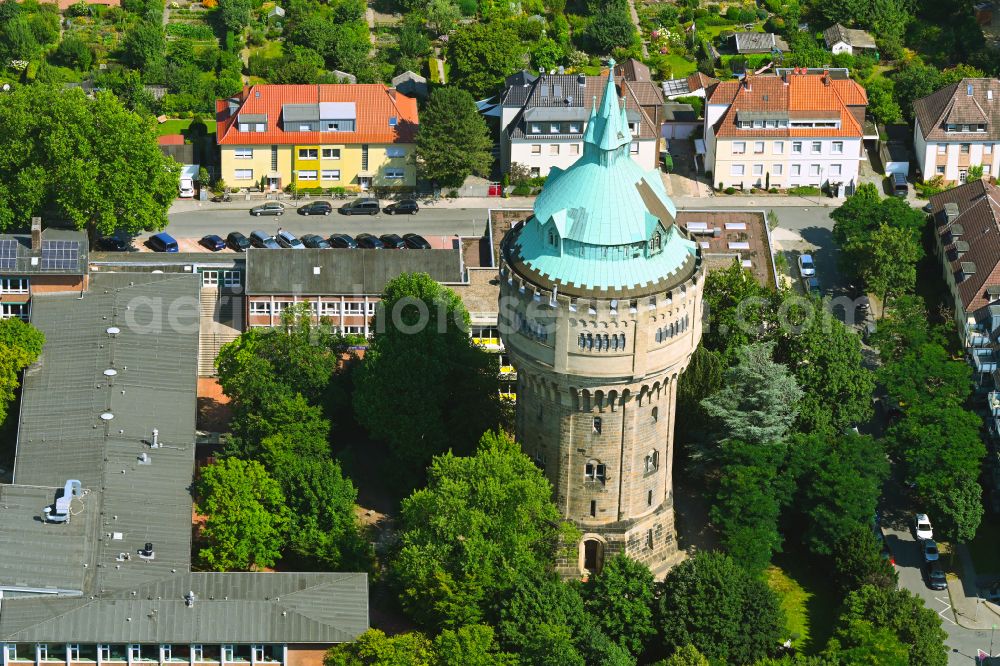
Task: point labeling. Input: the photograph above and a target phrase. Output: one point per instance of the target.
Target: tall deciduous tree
(825, 358)
(20, 346)
(701, 378)
(858, 561)
(453, 141)
(889, 265)
(100, 169)
(758, 401)
(727, 613)
(423, 369)
(621, 599)
(483, 523)
(246, 516)
(482, 54)
(738, 310)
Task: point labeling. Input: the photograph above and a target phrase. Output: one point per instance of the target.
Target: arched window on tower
(656, 414)
(652, 462)
(553, 239)
(655, 242)
(598, 425)
(621, 341)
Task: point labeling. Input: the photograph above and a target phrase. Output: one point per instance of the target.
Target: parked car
(314, 241)
(811, 285)
(929, 550)
(922, 526)
(360, 206)
(316, 208)
(162, 242)
(806, 266)
(416, 242)
(392, 242)
(237, 241)
(936, 580)
(900, 188)
(343, 241)
(289, 240)
(403, 206)
(263, 239)
(187, 188)
(368, 242)
(212, 242)
(114, 243)
(270, 208)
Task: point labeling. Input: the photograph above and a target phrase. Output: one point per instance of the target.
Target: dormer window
(655, 243)
(536, 129)
(950, 127)
(553, 238)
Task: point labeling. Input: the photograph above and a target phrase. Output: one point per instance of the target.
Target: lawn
(679, 67)
(181, 126)
(985, 548)
(806, 598)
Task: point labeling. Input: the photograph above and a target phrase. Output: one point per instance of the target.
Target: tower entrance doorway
(593, 556)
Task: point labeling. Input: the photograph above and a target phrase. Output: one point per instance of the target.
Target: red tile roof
(376, 103)
(171, 140)
(798, 94)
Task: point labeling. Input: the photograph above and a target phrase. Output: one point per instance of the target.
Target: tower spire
(608, 128)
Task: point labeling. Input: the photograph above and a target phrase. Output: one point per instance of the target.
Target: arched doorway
(593, 556)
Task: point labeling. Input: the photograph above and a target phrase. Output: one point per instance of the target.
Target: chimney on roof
(391, 92)
(826, 77)
(746, 82)
(36, 234)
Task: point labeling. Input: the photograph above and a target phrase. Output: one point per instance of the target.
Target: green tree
(246, 517)
(93, 179)
(611, 29)
(374, 648)
(235, 14)
(825, 359)
(889, 264)
(74, 52)
(621, 599)
(687, 655)
(482, 54)
(702, 377)
(927, 373)
(453, 140)
(738, 310)
(858, 561)
(17, 41)
(904, 615)
(881, 100)
(413, 43)
(905, 328)
(442, 15)
(840, 479)
(758, 401)
(472, 645)
(748, 502)
(482, 523)
(552, 645)
(958, 509)
(861, 642)
(975, 173)
(912, 81)
(20, 346)
(546, 54)
(423, 369)
(721, 609)
(143, 48)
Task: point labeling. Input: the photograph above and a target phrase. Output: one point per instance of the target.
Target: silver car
(270, 208)
(288, 239)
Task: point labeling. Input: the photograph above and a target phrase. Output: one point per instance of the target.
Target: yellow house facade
(355, 137)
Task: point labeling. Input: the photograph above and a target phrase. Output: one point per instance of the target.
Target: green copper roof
(604, 223)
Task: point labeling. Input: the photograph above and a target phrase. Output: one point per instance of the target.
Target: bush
(730, 190)
(929, 188)
(773, 190)
(522, 190)
(804, 191)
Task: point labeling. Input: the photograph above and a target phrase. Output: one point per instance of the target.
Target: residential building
(798, 128)
(355, 136)
(958, 127)
(96, 528)
(543, 121)
(637, 82)
(849, 40)
(43, 262)
(694, 85)
(967, 222)
(410, 84)
(748, 43)
(601, 310)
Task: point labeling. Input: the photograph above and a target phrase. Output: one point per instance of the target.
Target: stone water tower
(600, 311)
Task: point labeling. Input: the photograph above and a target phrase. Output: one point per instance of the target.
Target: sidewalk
(971, 612)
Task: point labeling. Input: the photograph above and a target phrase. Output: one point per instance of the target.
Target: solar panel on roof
(60, 255)
(8, 254)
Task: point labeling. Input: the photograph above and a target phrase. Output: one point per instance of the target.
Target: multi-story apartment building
(801, 127)
(355, 136)
(958, 127)
(543, 120)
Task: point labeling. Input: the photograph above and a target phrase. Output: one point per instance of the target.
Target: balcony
(983, 360)
(976, 337)
(993, 403)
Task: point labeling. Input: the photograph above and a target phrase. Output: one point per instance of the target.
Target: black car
(369, 242)
(403, 206)
(936, 580)
(316, 208)
(314, 241)
(360, 206)
(114, 243)
(238, 242)
(416, 242)
(343, 241)
(392, 242)
(213, 242)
